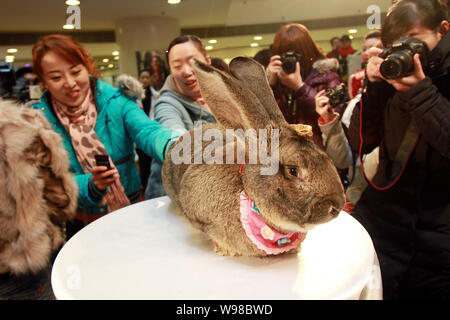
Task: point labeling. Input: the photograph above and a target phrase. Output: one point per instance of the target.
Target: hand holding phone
(102, 160)
(103, 178)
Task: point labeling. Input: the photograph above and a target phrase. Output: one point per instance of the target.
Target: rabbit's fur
(209, 194)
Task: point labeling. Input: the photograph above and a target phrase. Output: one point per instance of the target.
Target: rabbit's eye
(293, 171)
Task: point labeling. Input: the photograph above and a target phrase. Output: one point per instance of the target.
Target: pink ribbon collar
(264, 237)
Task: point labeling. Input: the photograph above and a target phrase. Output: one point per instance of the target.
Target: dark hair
(219, 64)
(144, 70)
(161, 72)
(346, 37)
(263, 56)
(187, 38)
(295, 36)
(334, 38)
(373, 34)
(444, 4)
(406, 14)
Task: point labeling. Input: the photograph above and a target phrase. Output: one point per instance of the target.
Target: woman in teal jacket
(95, 118)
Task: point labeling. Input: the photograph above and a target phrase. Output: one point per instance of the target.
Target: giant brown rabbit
(259, 208)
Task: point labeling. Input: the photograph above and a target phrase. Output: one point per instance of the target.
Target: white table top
(147, 251)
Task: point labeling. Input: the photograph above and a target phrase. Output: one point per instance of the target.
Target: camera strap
(292, 103)
(409, 143)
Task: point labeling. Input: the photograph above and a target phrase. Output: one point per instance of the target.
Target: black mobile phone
(102, 160)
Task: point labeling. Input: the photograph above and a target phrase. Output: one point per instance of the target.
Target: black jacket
(410, 222)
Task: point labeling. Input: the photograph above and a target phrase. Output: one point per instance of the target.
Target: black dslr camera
(289, 59)
(399, 58)
(337, 95)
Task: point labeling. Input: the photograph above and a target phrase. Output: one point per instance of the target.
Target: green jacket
(120, 123)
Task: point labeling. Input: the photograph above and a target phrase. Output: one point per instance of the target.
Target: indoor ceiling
(205, 15)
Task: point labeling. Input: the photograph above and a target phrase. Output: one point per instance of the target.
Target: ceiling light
(72, 2)
(352, 31)
(116, 58)
(257, 38)
(110, 66)
(115, 53)
(208, 47)
(105, 60)
(350, 37)
(9, 59)
(173, 1)
(212, 41)
(12, 50)
(102, 68)
(68, 26)
(254, 44)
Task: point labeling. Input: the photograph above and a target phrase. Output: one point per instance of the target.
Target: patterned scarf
(80, 123)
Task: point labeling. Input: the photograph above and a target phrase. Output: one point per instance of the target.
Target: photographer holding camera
(296, 72)
(405, 110)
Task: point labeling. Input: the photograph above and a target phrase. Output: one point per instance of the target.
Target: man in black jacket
(406, 208)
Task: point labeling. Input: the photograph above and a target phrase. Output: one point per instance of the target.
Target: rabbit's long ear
(253, 75)
(232, 103)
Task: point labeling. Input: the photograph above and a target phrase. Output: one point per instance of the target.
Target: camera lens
(397, 65)
(336, 95)
(289, 65)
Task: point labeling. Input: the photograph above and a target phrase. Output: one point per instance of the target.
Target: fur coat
(37, 191)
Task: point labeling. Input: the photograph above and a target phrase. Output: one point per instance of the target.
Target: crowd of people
(387, 135)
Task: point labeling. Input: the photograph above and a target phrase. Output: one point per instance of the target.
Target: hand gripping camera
(337, 95)
(399, 58)
(289, 59)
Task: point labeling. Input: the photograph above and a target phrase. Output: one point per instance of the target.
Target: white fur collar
(130, 86)
(324, 65)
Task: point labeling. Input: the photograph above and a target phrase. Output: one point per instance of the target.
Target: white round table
(147, 251)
